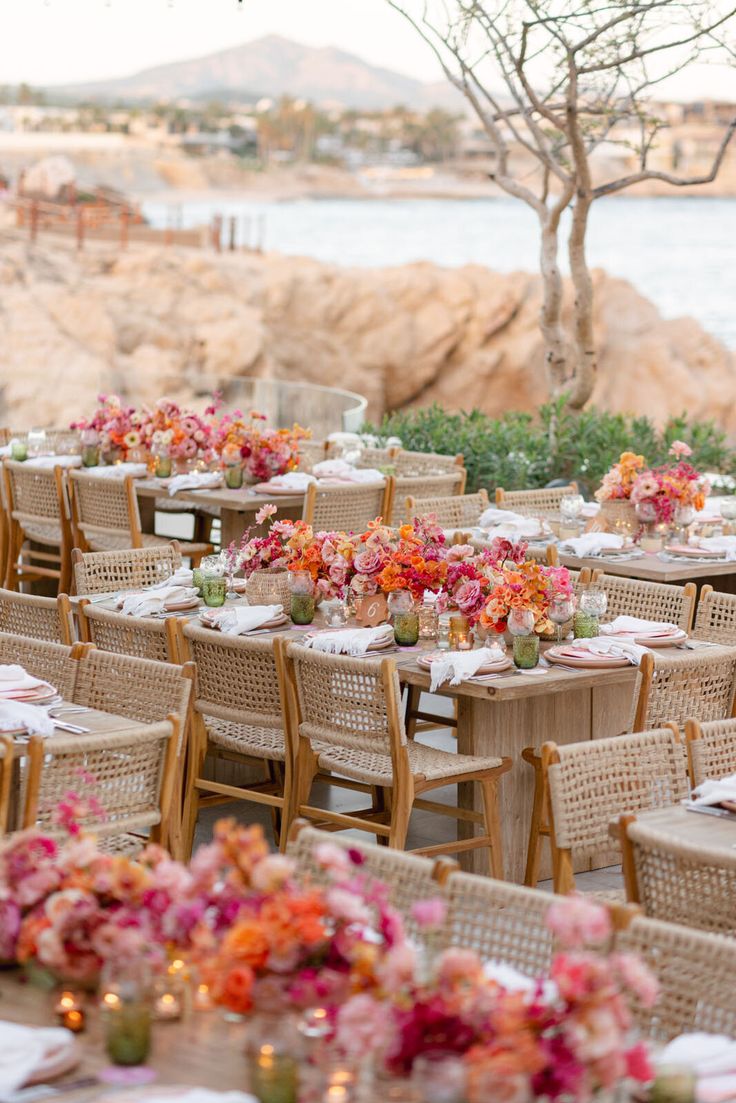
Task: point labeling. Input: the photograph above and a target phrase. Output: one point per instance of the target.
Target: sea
(680, 252)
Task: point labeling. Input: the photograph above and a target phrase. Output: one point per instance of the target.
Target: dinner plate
(588, 662)
(690, 551)
(492, 667)
(269, 488)
(275, 622)
(36, 696)
(661, 641)
(377, 645)
(177, 606)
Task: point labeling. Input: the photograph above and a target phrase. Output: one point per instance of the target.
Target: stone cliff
(161, 321)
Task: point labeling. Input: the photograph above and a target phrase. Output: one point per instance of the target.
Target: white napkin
(609, 645)
(141, 603)
(526, 529)
(494, 516)
(713, 792)
(457, 666)
(353, 641)
(14, 678)
(726, 545)
(17, 714)
(119, 471)
(194, 480)
(331, 469)
(705, 1054)
(182, 576)
(292, 480)
(632, 626)
(239, 619)
(23, 1049)
(591, 543)
(364, 475)
(198, 1095)
(54, 461)
(590, 509)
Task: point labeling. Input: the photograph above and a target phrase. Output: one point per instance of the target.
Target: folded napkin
(457, 666)
(591, 543)
(239, 619)
(590, 509)
(331, 469)
(16, 714)
(14, 679)
(24, 1049)
(713, 792)
(182, 576)
(609, 645)
(119, 471)
(141, 603)
(194, 480)
(725, 545)
(363, 475)
(353, 641)
(54, 461)
(526, 529)
(494, 516)
(705, 1054)
(292, 480)
(632, 626)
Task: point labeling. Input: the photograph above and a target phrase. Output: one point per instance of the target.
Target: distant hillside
(272, 66)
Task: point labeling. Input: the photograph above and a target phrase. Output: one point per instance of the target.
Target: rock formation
(150, 321)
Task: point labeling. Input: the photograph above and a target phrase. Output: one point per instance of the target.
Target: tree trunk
(585, 356)
(550, 315)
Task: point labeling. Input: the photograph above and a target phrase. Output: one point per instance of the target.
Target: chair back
(139, 689)
(36, 499)
(40, 618)
(500, 921)
(129, 776)
(345, 508)
(236, 677)
(696, 973)
(591, 783)
(423, 486)
(141, 636)
(409, 877)
(711, 749)
(105, 512)
(679, 882)
(453, 511)
(107, 572)
(676, 689)
(413, 464)
(311, 452)
(55, 663)
(716, 616)
(7, 751)
(536, 502)
(346, 702)
(632, 597)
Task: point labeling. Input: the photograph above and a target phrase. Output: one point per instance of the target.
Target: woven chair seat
(43, 534)
(124, 845)
(246, 739)
(426, 763)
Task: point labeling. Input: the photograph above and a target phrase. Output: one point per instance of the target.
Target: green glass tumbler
(302, 608)
(234, 476)
(584, 625)
(214, 590)
(406, 628)
(526, 651)
(127, 1027)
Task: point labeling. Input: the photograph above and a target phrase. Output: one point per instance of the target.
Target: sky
(59, 41)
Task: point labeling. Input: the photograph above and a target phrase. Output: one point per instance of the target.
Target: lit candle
(73, 1020)
(167, 1007)
(202, 998)
(67, 1002)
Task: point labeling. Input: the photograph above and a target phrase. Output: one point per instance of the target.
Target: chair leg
(402, 800)
(413, 697)
(298, 787)
(489, 787)
(15, 545)
(537, 826)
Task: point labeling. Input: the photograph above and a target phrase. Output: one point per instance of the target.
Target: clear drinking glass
(521, 622)
(37, 445)
(561, 610)
(594, 601)
(571, 506)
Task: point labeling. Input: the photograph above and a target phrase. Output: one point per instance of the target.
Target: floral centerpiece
(172, 431)
(520, 583)
(262, 452)
(114, 428)
(660, 491)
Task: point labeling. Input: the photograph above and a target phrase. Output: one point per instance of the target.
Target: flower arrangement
(263, 452)
(519, 583)
(670, 486)
(117, 428)
(618, 483)
(172, 430)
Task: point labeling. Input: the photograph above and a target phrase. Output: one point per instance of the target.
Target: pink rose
(469, 597)
(429, 913)
(368, 562)
(579, 922)
(363, 586)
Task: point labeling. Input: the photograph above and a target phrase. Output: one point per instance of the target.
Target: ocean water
(679, 252)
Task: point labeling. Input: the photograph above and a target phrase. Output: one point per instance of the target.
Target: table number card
(371, 611)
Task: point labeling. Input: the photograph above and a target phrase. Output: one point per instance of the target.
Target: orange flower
(246, 943)
(235, 989)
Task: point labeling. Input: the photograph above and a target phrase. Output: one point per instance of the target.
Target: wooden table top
(244, 500)
(692, 828)
(650, 567)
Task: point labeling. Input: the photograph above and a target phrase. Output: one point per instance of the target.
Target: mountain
(272, 66)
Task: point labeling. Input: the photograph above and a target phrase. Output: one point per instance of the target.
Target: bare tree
(551, 81)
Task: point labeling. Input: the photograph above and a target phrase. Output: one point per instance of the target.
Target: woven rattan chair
(537, 502)
(633, 597)
(405, 487)
(409, 877)
(453, 511)
(699, 684)
(696, 972)
(105, 517)
(132, 569)
(237, 716)
(40, 618)
(145, 637)
(130, 774)
(346, 508)
(413, 464)
(55, 663)
(716, 616)
(711, 749)
(311, 452)
(590, 784)
(39, 534)
(500, 921)
(369, 456)
(344, 717)
(6, 777)
(676, 881)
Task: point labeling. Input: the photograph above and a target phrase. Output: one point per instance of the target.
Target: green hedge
(519, 450)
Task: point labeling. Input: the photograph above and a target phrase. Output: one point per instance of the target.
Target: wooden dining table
(652, 568)
(714, 832)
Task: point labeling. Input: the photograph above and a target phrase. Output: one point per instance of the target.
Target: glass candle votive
(428, 619)
(233, 476)
(460, 639)
(335, 613)
(162, 468)
(526, 651)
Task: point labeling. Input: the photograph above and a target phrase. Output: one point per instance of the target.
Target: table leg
(505, 728)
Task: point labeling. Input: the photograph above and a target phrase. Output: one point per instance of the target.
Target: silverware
(72, 729)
